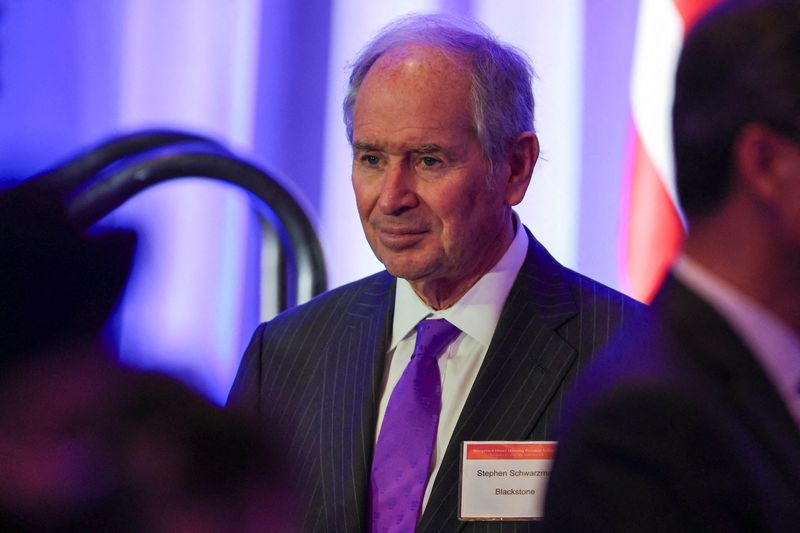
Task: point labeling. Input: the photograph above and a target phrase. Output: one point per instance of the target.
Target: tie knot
(433, 335)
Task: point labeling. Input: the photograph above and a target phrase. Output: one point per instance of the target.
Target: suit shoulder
(588, 290)
(601, 310)
(336, 301)
(548, 277)
(284, 352)
(642, 359)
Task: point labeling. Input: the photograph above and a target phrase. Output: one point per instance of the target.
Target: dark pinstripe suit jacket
(317, 371)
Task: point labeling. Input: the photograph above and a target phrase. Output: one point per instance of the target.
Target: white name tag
(503, 480)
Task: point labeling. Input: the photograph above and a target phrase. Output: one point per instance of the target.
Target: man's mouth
(400, 238)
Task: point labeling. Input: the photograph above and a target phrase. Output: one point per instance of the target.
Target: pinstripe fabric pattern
(316, 370)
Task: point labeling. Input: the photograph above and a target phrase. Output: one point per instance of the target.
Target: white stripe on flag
(659, 35)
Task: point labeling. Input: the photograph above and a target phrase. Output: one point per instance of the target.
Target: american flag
(652, 227)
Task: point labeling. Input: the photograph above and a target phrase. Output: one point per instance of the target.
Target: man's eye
(371, 159)
(429, 161)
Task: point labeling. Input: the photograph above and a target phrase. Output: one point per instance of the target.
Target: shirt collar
(773, 343)
(478, 311)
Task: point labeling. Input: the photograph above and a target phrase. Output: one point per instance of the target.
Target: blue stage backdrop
(266, 78)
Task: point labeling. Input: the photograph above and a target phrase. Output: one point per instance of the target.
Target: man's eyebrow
(360, 146)
(426, 148)
(430, 148)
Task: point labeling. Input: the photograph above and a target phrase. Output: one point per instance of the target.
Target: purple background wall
(260, 76)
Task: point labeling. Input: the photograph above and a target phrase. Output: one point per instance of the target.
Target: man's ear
(523, 153)
(761, 157)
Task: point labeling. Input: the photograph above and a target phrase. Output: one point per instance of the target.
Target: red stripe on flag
(655, 231)
(691, 10)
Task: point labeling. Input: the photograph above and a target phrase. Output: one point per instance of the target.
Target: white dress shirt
(775, 346)
(476, 315)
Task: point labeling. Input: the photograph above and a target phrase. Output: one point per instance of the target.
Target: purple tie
(402, 460)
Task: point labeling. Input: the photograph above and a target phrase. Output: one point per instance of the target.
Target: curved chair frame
(96, 182)
(69, 176)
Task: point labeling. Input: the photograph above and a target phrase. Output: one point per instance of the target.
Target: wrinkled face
(419, 173)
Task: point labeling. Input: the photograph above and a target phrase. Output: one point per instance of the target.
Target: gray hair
(502, 95)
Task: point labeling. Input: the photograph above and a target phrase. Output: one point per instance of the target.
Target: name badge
(502, 480)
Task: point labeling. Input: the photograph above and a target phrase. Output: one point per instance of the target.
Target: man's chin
(408, 270)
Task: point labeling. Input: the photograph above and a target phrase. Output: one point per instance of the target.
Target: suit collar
(544, 281)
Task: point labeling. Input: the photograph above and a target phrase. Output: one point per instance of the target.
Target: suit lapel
(524, 366)
(716, 346)
(351, 383)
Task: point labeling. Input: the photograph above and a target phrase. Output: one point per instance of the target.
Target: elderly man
(692, 423)
(440, 118)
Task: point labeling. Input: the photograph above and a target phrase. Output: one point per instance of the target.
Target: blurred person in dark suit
(87, 445)
(691, 424)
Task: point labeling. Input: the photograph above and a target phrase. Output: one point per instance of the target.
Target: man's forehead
(414, 79)
(420, 59)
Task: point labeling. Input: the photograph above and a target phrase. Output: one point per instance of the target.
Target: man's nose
(398, 192)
